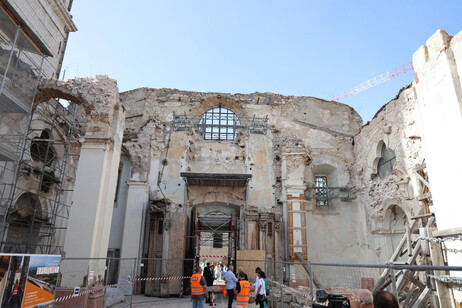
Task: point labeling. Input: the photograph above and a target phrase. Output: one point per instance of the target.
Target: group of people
(238, 287)
(214, 272)
(363, 298)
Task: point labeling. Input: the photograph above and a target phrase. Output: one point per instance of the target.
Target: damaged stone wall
(395, 126)
(322, 130)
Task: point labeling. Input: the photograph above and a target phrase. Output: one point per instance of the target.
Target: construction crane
(400, 70)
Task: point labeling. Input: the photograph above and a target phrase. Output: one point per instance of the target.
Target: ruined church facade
(164, 173)
(297, 177)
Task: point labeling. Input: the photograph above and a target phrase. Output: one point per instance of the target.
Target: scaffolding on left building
(38, 150)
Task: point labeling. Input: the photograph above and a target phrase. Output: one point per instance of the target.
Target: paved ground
(141, 301)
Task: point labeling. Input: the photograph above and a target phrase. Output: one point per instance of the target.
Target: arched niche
(25, 220)
(395, 222)
(335, 171)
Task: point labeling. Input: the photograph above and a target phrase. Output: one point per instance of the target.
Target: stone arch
(213, 208)
(98, 96)
(53, 88)
(221, 101)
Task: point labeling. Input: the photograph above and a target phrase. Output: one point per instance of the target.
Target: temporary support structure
(208, 228)
(413, 289)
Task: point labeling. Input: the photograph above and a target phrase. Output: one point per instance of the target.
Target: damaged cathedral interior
(88, 172)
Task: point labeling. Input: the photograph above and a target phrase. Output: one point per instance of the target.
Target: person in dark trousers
(209, 277)
(198, 289)
(231, 281)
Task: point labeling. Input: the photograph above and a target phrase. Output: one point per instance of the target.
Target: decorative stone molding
(277, 226)
(262, 225)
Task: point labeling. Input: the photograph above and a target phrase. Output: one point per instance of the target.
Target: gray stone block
(114, 296)
(125, 285)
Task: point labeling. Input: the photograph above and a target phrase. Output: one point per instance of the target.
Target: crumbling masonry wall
(397, 127)
(322, 131)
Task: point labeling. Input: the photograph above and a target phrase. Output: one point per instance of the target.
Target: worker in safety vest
(242, 290)
(199, 290)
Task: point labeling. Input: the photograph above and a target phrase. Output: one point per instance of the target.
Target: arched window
(386, 162)
(42, 150)
(219, 124)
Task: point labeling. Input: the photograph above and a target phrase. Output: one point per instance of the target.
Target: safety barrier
(95, 289)
(285, 278)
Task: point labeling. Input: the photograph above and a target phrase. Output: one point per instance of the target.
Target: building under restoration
(89, 172)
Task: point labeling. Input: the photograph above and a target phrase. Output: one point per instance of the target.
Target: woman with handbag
(260, 290)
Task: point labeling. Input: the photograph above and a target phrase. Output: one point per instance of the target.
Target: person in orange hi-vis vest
(199, 290)
(242, 290)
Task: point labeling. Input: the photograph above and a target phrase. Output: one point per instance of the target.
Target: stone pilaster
(135, 217)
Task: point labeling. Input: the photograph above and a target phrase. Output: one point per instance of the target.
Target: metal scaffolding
(36, 203)
(219, 124)
(209, 228)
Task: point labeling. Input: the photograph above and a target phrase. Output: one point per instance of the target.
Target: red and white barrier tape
(207, 256)
(213, 297)
(68, 297)
(162, 278)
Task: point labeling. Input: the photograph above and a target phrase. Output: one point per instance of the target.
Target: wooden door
(156, 231)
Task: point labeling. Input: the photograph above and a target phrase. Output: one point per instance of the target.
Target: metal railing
(110, 280)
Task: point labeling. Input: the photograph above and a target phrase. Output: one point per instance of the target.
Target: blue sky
(306, 48)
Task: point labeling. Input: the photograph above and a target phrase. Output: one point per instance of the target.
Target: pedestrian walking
(231, 281)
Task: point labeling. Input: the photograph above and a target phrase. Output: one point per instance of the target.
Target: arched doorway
(215, 233)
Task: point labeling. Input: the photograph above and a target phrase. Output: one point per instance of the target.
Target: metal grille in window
(322, 198)
(386, 162)
(219, 124)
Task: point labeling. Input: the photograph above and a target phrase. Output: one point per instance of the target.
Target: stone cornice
(63, 14)
(94, 142)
